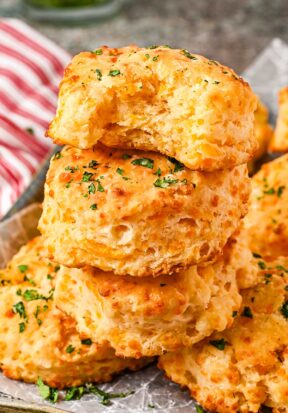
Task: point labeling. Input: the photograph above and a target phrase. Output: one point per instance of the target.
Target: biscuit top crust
(168, 100)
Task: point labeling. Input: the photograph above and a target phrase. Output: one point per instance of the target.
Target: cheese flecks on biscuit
(149, 316)
(138, 213)
(37, 339)
(245, 366)
(160, 99)
(266, 224)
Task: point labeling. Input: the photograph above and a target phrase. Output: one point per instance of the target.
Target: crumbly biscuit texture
(245, 366)
(159, 99)
(38, 340)
(138, 213)
(149, 316)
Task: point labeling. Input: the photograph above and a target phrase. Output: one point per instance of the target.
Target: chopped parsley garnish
(158, 172)
(99, 74)
(126, 156)
(23, 268)
(19, 291)
(234, 313)
(57, 155)
(68, 185)
(93, 164)
(151, 406)
(281, 268)
(215, 82)
(86, 341)
(97, 51)
(19, 308)
(284, 309)
(87, 176)
(267, 278)
(256, 255)
(270, 191)
(33, 295)
(247, 312)
(120, 171)
(280, 190)
(99, 187)
(70, 349)
(91, 189)
(146, 162)
(72, 169)
(147, 56)
(93, 207)
(57, 268)
(74, 393)
(261, 265)
(155, 58)
(199, 409)
(32, 282)
(114, 72)
(152, 47)
(286, 288)
(22, 327)
(47, 392)
(220, 344)
(189, 55)
(103, 395)
(165, 182)
(178, 165)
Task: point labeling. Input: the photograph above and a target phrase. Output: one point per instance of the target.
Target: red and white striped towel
(31, 67)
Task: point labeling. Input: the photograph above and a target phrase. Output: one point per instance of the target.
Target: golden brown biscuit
(246, 366)
(263, 132)
(38, 340)
(279, 141)
(149, 316)
(157, 99)
(266, 223)
(138, 213)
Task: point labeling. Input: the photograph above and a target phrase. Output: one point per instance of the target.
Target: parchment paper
(152, 392)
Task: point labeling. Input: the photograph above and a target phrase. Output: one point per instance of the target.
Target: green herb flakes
(120, 171)
(165, 182)
(220, 344)
(189, 55)
(87, 176)
(99, 186)
(178, 166)
(93, 164)
(146, 162)
(234, 313)
(247, 312)
(155, 58)
(74, 393)
(99, 74)
(57, 155)
(23, 268)
(86, 342)
(91, 189)
(284, 309)
(70, 349)
(126, 156)
(97, 51)
(199, 409)
(47, 392)
(22, 327)
(114, 73)
(93, 207)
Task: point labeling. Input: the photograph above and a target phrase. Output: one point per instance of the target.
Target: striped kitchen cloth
(31, 67)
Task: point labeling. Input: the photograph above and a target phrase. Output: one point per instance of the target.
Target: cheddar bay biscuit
(38, 340)
(149, 316)
(138, 213)
(159, 99)
(245, 366)
(266, 223)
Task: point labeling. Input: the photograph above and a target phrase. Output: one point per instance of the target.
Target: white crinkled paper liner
(267, 75)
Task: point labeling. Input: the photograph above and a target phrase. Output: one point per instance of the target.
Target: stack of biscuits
(141, 214)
